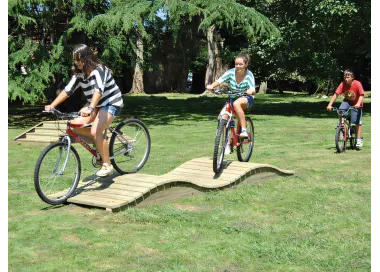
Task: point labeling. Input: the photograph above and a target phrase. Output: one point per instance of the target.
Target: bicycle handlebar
(229, 92)
(342, 112)
(62, 114)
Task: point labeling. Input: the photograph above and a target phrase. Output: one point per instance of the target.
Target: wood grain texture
(118, 192)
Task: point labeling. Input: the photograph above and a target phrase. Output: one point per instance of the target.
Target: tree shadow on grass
(160, 110)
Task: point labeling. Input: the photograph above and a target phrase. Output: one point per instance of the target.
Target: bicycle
(344, 131)
(226, 134)
(58, 168)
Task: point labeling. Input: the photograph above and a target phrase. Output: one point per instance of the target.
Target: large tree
(237, 20)
(38, 35)
(319, 39)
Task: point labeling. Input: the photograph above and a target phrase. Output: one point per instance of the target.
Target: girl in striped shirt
(242, 80)
(104, 100)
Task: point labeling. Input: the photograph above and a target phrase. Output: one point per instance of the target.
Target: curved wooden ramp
(116, 193)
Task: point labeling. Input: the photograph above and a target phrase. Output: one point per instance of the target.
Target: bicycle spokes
(130, 146)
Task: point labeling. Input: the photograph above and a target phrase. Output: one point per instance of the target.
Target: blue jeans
(356, 114)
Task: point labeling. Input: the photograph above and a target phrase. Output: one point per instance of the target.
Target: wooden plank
(209, 170)
(155, 180)
(36, 141)
(99, 201)
(118, 186)
(22, 135)
(140, 184)
(42, 137)
(211, 175)
(196, 175)
(47, 133)
(114, 186)
(112, 193)
(127, 182)
(203, 165)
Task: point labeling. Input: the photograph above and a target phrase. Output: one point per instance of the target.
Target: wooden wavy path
(117, 192)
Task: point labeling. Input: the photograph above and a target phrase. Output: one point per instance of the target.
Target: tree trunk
(138, 82)
(215, 66)
(263, 87)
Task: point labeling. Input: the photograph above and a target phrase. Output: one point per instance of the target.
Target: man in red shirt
(353, 93)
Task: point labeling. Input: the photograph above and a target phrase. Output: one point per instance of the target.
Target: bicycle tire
(352, 133)
(220, 145)
(340, 142)
(245, 147)
(54, 185)
(129, 148)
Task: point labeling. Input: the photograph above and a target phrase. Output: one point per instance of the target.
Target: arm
(213, 85)
(60, 98)
(360, 102)
(69, 89)
(251, 91)
(251, 83)
(332, 100)
(94, 102)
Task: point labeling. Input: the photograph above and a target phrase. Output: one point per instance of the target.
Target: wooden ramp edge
(118, 192)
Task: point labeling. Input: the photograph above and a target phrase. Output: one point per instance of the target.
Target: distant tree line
(152, 45)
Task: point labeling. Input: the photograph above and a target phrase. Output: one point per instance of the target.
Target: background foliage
(309, 42)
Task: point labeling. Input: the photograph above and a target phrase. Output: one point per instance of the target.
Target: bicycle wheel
(57, 173)
(129, 146)
(352, 133)
(244, 149)
(220, 145)
(340, 141)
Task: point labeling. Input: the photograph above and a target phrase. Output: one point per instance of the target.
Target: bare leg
(240, 105)
(85, 132)
(101, 122)
(359, 131)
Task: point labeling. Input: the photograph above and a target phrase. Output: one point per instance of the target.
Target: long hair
(84, 53)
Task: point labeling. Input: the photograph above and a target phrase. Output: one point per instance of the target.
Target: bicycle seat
(81, 125)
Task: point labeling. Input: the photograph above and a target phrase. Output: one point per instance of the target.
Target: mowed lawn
(316, 220)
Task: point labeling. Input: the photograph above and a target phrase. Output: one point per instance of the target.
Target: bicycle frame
(230, 112)
(344, 121)
(70, 132)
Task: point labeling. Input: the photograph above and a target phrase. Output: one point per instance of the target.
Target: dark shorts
(356, 114)
(249, 100)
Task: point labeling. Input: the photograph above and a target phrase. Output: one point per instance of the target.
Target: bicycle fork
(66, 139)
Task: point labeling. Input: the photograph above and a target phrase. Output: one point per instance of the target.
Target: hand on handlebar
(85, 112)
(251, 92)
(210, 88)
(49, 108)
(329, 108)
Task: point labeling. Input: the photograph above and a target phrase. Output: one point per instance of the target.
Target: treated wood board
(116, 193)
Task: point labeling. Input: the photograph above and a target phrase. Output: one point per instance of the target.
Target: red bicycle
(58, 168)
(226, 134)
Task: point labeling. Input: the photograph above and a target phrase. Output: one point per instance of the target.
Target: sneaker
(243, 134)
(105, 170)
(359, 143)
(227, 150)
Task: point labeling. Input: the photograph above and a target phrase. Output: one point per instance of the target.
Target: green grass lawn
(317, 220)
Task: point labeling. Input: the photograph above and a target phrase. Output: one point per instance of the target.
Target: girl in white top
(104, 100)
(242, 80)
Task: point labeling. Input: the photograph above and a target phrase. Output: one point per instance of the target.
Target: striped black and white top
(100, 79)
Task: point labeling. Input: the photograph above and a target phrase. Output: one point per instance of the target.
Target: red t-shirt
(351, 93)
